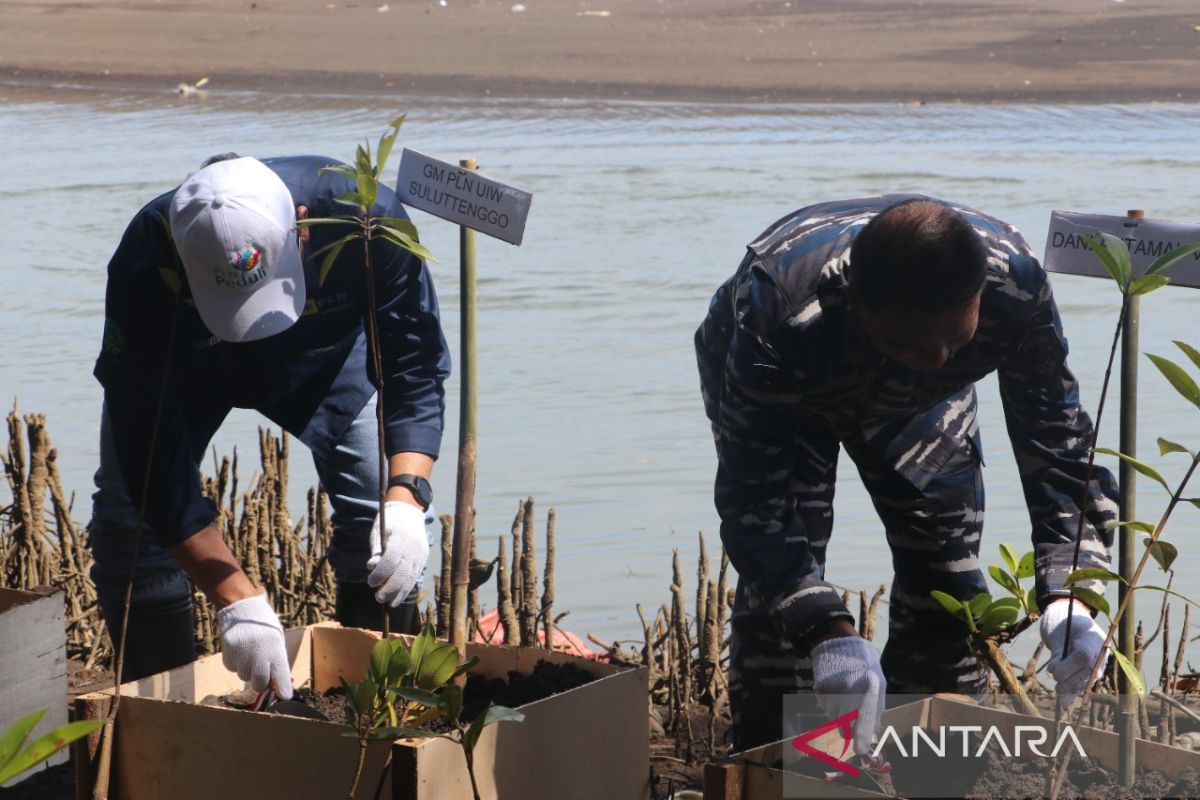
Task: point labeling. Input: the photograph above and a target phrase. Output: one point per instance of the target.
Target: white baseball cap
(234, 225)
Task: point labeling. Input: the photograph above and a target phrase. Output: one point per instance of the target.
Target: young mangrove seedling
(419, 687)
(402, 689)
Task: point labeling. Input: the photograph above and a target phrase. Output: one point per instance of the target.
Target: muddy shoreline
(1072, 51)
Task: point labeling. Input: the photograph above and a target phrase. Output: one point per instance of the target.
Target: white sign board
(1147, 239)
(463, 196)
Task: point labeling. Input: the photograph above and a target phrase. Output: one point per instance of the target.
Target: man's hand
(1087, 639)
(398, 560)
(847, 676)
(252, 645)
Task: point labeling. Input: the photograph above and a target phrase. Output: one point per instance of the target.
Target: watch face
(420, 488)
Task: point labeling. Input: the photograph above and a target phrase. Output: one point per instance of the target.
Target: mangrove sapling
(410, 687)
(992, 623)
(402, 690)
(366, 226)
(14, 759)
(1114, 255)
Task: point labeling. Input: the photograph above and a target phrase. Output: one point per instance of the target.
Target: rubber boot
(355, 607)
(159, 638)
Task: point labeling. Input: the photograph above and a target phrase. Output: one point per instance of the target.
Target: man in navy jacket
(213, 304)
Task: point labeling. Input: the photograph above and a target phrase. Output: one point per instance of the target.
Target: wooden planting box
(33, 663)
(588, 742)
(757, 774)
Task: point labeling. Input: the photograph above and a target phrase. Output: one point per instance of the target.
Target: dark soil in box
(1007, 778)
(994, 777)
(546, 680)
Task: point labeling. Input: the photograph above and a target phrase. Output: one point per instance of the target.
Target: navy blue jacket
(780, 350)
(311, 379)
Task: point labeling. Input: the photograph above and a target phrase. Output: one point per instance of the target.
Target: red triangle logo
(845, 724)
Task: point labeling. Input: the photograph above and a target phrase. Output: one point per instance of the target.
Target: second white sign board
(1067, 251)
(463, 196)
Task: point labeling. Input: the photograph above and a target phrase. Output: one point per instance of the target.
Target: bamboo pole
(444, 588)
(1127, 510)
(464, 504)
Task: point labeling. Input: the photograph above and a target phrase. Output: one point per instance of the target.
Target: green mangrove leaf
(947, 602)
(1132, 673)
(1175, 375)
(405, 226)
(336, 219)
(465, 666)
(979, 604)
(1170, 592)
(400, 663)
(366, 696)
(450, 702)
(1025, 568)
(997, 618)
(418, 696)
(436, 667)
(1093, 599)
(1006, 602)
(368, 185)
(1147, 284)
(1144, 469)
(1004, 579)
(12, 739)
(1010, 558)
(351, 690)
(362, 160)
(1030, 600)
(345, 170)
(487, 717)
(1171, 258)
(377, 666)
(1167, 446)
(352, 199)
(402, 733)
(46, 745)
(422, 643)
(1092, 574)
(385, 143)
(1114, 255)
(1162, 552)
(1192, 353)
(1137, 525)
(405, 242)
(1193, 500)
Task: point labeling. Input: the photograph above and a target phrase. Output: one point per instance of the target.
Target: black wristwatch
(420, 488)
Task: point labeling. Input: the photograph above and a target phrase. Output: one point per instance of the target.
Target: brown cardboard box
(589, 742)
(33, 663)
(756, 775)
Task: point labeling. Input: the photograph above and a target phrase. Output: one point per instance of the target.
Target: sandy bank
(727, 50)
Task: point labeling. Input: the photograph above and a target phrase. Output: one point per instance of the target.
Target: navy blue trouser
(934, 536)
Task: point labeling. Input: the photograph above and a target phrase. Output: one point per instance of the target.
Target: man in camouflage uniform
(865, 323)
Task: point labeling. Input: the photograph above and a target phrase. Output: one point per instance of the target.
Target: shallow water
(588, 389)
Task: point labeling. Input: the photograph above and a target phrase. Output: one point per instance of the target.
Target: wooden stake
(464, 505)
(548, 583)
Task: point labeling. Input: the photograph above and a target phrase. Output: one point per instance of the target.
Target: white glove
(396, 565)
(252, 645)
(847, 676)
(1087, 639)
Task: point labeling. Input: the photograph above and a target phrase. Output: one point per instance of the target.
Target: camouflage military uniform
(788, 375)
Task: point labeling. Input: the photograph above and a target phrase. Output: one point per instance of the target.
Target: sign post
(458, 193)
(1067, 251)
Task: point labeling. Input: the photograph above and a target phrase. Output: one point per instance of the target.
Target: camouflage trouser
(934, 538)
